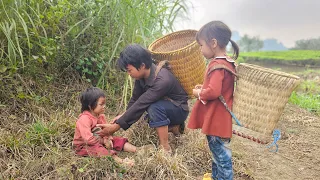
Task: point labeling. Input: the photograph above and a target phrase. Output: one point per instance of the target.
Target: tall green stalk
(87, 35)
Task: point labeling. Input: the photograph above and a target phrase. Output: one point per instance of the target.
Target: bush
(46, 40)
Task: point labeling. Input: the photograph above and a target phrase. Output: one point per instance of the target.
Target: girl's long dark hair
(219, 31)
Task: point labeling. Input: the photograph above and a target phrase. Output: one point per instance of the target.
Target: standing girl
(209, 113)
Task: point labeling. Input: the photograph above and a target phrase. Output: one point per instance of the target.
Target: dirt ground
(26, 158)
(298, 156)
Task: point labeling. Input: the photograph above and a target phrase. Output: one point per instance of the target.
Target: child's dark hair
(219, 31)
(89, 98)
(134, 55)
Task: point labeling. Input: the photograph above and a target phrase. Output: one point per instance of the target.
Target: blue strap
(276, 136)
(234, 117)
(226, 106)
(276, 133)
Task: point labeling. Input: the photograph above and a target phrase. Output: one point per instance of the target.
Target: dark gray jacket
(148, 91)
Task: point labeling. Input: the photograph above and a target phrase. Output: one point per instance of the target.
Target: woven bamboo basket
(259, 99)
(182, 52)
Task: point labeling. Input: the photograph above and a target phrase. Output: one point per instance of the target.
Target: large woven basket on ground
(259, 99)
(184, 56)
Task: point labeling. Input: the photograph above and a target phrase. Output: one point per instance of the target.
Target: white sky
(285, 20)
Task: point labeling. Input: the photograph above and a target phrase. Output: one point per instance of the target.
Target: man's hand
(115, 119)
(107, 129)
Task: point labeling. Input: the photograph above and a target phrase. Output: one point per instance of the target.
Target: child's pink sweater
(84, 125)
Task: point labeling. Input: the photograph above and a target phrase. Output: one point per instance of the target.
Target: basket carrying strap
(221, 98)
(160, 65)
(221, 66)
(276, 133)
(228, 109)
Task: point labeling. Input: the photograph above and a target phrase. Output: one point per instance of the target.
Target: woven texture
(260, 97)
(184, 56)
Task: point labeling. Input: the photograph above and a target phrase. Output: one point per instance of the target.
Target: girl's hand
(95, 130)
(199, 86)
(108, 142)
(196, 92)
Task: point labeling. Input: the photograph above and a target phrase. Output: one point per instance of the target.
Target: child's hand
(197, 89)
(107, 141)
(196, 92)
(199, 86)
(95, 130)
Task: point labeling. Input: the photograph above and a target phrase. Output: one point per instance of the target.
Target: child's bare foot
(145, 149)
(128, 162)
(129, 147)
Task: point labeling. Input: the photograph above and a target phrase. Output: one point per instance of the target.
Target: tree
(307, 44)
(247, 43)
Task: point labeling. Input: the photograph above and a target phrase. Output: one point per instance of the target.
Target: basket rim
(170, 34)
(268, 70)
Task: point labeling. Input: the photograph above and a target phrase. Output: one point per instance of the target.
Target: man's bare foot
(174, 129)
(177, 130)
(167, 150)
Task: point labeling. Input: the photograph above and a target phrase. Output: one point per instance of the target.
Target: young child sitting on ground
(86, 141)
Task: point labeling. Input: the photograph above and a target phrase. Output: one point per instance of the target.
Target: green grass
(307, 94)
(86, 36)
(309, 87)
(40, 132)
(291, 55)
(311, 102)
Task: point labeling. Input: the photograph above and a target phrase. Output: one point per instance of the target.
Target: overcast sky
(285, 20)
